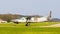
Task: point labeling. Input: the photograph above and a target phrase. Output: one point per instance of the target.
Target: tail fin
(49, 14)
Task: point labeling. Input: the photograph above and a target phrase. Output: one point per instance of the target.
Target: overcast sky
(31, 7)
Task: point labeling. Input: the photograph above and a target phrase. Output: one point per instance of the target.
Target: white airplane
(33, 19)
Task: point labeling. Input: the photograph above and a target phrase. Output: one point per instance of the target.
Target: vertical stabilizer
(49, 16)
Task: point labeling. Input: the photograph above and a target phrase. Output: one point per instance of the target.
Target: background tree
(9, 17)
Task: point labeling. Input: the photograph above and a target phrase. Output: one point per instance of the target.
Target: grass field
(22, 29)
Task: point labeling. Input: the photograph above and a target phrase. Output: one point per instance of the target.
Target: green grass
(43, 23)
(28, 30)
(22, 29)
(31, 24)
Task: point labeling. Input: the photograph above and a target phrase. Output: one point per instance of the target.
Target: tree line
(9, 17)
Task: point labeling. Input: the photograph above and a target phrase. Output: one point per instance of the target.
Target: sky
(30, 7)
